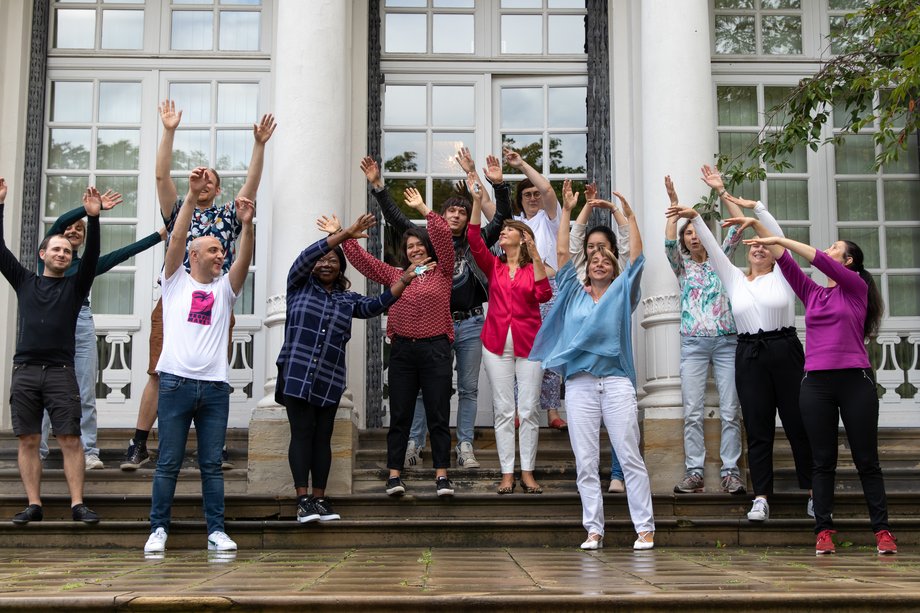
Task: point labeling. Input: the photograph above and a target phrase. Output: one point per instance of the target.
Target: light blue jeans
(616, 471)
(86, 368)
(468, 356)
(696, 354)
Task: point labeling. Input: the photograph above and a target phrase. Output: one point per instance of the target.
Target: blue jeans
(86, 368)
(468, 356)
(696, 353)
(181, 402)
(616, 471)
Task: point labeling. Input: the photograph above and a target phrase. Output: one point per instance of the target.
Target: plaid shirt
(311, 365)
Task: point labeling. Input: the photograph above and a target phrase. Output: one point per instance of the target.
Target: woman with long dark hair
(839, 382)
(311, 365)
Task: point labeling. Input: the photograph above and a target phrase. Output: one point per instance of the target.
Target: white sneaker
(413, 456)
(594, 541)
(93, 462)
(465, 457)
(760, 511)
(157, 541)
(219, 541)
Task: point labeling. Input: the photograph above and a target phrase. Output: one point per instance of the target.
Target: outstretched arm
(245, 211)
(569, 201)
(550, 203)
(391, 211)
(465, 160)
(261, 132)
(166, 187)
(175, 252)
(92, 205)
(9, 265)
(713, 179)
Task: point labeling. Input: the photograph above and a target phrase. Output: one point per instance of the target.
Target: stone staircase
(475, 517)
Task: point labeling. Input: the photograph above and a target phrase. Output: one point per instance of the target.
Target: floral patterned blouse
(704, 307)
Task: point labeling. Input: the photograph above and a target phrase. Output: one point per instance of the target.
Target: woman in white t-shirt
(535, 204)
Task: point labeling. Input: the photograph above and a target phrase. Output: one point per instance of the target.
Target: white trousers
(590, 400)
(502, 371)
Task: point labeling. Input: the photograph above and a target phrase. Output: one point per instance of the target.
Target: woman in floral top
(707, 336)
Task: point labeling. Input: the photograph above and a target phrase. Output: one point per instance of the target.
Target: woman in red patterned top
(517, 286)
(421, 332)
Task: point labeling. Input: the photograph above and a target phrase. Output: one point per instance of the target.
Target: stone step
(113, 481)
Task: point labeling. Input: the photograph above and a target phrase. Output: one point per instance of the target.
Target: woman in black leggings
(311, 366)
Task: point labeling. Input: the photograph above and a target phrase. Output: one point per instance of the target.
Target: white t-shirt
(196, 326)
(545, 231)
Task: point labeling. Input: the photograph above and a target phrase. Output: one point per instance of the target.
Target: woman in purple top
(839, 383)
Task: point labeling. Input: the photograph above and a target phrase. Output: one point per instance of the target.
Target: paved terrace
(514, 578)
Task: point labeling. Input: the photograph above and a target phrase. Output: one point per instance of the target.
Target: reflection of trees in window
(404, 162)
(532, 153)
(187, 160)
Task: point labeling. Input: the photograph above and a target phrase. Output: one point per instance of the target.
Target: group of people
(560, 302)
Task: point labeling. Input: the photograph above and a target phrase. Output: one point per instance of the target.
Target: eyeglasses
(531, 195)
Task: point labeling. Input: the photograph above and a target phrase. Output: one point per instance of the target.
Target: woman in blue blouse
(587, 339)
(311, 365)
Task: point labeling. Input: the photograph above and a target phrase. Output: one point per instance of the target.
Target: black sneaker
(324, 508)
(83, 513)
(395, 487)
(225, 462)
(444, 487)
(306, 512)
(33, 512)
(136, 456)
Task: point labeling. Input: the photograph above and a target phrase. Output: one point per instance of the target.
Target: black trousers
(849, 395)
(768, 369)
(310, 451)
(424, 364)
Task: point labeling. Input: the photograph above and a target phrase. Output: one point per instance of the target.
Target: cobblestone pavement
(380, 578)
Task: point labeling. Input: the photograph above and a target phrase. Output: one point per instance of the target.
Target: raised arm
(550, 203)
(713, 179)
(569, 201)
(717, 258)
(86, 272)
(9, 265)
(175, 251)
(245, 211)
(465, 160)
(261, 132)
(635, 237)
(484, 258)
(166, 187)
(112, 259)
(493, 172)
(391, 212)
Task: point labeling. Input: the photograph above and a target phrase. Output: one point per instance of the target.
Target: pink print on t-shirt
(202, 303)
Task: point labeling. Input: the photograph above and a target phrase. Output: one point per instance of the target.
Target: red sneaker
(886, 542)
(825, 544)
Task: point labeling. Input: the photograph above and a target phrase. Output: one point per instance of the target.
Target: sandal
(559, 424)
(594, 541)
(506, 489)
(537, 489)
(646, 540)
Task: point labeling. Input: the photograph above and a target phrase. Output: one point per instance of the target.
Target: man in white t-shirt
(193, 366)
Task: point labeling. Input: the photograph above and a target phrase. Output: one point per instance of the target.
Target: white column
(678, 135)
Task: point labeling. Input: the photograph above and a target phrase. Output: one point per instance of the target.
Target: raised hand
(682, 212)
(742, 202)
(263, 130)
(198, 179)
(414, 199)
(669, 186)
(371, 170)
(475, 187)
(110, 199)
(591, 191)
(712, 177)
(245, 209)
(569, 199)
(466, 160)
(512, 157)
(92, 201)
(414, 270)
(627, 210)
(493, 169)
(3, 189)
(743, 223)
(531, 246)
(361, 225)
(329, 225)
(763, 240)
(169, 116)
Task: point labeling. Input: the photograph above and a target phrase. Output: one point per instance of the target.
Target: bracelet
(723, 192)
(335, 231)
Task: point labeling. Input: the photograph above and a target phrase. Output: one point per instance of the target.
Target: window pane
(907, 162)
(442, 189)
(521, 4)
(193, 99)
(857, 201)
(117, 149)
(113, 293)
(116, 236)
(453, 4)
(239, 31)
(453, 34)
(867, 239)
(855, 155)
(788, 199)
(522, 33)
(903, 245)
(237, 103)
(122, 29)
(735, 35)
(119, 102)
(842, 5)
(566, 4)
(121, 1)
(192, 30)
(902, 200)
(193, 1)
(444, 146)
(396, 187)
(903, 296)
(245, 303)
(69, 149)
(780, 4)
(737, 106)
(233, 149)
(798, 161)
(530, 146)
(522, 107)
(407, 3)
(75, 29)
(404, 152)
(566, 34)
(453, 105)
(782, 35)
(191, 148)
(568, 153)
(734, 144)
(773, 97)
(406, 33)
(72, 101)
(229, 188)
(246, 2)
(568, 107)
(404, 105)
(802, 235)
(127, 187)
(734, 4)
(64, 193)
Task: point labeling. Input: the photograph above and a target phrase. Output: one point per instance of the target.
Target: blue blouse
(581, 336)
